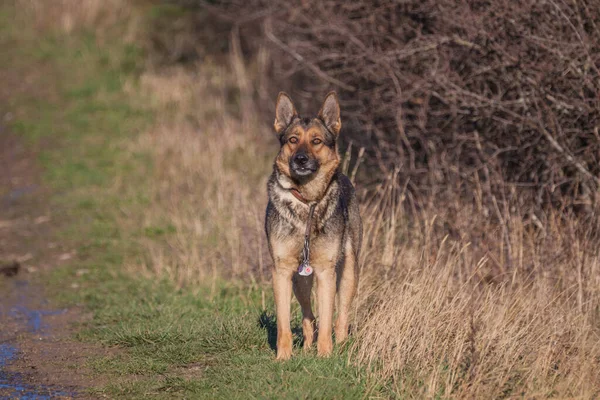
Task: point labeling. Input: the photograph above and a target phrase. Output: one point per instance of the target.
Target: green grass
(192, 343)
(179, 342)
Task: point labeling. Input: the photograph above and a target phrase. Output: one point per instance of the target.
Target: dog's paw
(283, 355)
(308, 331)
(284, 347)
(324, 347)
(341, 331)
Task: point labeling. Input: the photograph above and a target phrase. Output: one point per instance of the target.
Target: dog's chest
(287, 246)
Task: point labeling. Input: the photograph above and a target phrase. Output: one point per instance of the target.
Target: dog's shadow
(268, 322)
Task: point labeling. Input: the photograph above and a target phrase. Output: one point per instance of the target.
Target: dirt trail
(31, 348)
(38, 358)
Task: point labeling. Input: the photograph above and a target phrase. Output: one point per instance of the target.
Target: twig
(535, 124)
(299, 58)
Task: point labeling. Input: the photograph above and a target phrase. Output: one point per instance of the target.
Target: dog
(307, 188)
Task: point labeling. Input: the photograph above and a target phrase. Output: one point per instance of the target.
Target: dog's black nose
(300, 158)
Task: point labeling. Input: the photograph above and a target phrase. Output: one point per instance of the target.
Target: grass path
(82, 112)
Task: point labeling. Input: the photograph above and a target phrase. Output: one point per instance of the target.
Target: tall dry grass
(209, 182)
(441, 321)
(481, 310)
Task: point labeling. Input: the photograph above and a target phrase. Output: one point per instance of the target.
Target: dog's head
(308, 145)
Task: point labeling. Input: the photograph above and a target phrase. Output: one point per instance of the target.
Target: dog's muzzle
(302, 165)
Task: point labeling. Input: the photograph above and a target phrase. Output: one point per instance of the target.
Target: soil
(39, 358)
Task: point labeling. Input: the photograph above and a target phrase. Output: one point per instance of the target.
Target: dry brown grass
(210, 174)
(438, 323)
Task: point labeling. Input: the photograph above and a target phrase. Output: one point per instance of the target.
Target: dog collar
(298, 195)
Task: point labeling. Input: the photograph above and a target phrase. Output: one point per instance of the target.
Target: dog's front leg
(282, 286)
(326, 300)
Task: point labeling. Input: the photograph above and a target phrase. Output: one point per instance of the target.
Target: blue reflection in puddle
(12, 385)
(34, 318)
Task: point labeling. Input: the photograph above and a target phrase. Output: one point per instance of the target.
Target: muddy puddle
(19, 321)
(13, 386)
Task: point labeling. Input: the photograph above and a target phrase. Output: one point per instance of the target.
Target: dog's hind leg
(346, 290)
(302, 290)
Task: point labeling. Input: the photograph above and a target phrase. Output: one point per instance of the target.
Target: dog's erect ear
(330, 113)
(284, 112)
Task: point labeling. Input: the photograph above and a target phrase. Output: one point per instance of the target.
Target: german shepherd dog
(306, 176)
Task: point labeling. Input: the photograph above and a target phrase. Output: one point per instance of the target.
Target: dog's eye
(293, 139)
(316, 141)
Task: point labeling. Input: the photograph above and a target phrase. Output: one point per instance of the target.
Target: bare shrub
(468, 98)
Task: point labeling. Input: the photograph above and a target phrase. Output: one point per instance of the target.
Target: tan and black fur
(305, 171)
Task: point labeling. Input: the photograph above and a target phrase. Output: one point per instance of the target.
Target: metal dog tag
(304, 269)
